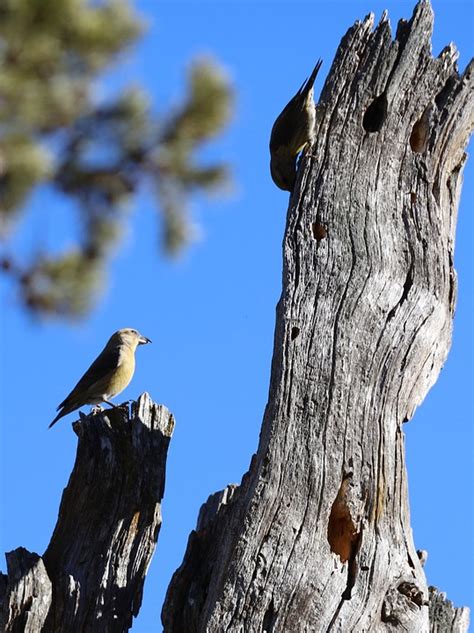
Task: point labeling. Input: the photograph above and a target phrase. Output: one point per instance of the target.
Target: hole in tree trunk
(375, 114)
(420, 133)
(412, 592)
(294, 332)
(342, 533)
(343, 537)
(319, 231)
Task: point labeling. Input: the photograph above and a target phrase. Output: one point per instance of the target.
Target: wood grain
(91, 576)
(363, 328)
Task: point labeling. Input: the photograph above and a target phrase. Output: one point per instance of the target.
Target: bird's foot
(308, 150)
(97, 409)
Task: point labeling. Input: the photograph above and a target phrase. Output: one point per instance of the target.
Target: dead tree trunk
(317, 537)
(90, 579)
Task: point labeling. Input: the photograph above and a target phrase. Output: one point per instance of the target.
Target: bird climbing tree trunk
(317, 536)
(91, 576)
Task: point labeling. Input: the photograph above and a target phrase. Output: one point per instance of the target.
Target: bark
(91, 576)
(26, 593)
(317, 537)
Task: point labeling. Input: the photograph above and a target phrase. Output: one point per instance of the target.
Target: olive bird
(291, 132)
(108, 375)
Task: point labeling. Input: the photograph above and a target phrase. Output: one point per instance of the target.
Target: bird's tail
(308, 83)
(64, 411)
(58, 417)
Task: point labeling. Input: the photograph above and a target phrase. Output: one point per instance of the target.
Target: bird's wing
(99, 372)
(287, 122)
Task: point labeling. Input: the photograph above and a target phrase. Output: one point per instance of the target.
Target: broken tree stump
(317, 537)
(91, 576)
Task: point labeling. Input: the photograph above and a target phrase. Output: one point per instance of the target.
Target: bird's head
(283, 171)
(128, 336)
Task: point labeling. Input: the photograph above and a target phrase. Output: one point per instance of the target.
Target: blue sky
(211, 313)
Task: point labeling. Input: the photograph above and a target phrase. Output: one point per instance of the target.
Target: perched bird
(108, 375)
(291, 132)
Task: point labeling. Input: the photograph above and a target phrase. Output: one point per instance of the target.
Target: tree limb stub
(94, 568)
(317, 537)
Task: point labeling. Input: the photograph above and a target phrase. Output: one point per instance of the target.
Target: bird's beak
(143, 340)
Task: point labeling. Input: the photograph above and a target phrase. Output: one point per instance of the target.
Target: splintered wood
(363, 328)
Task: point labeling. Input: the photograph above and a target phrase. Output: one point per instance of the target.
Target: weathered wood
(92, 574)
(317, 537)
(109, 518)
(26, 593)
(444, 617)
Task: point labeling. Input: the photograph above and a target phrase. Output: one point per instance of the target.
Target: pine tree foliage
(94, 154)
